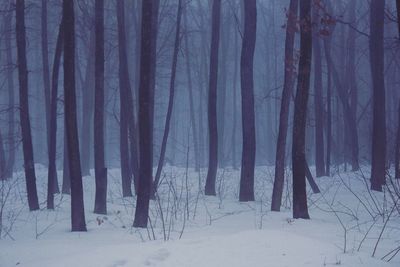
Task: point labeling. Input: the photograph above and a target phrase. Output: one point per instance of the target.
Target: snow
(216, 231)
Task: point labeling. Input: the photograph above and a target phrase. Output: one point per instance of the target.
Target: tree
(212, 101)
(124, 88)
(10, 86)
(52, 179)
(285, 102)
(397, 154)
(77, 207)
(246, 192)
(100, 202)
(146, 102)
(171, 98)
(300, 209)
(29, 164)
(376, 51)
(318, 103)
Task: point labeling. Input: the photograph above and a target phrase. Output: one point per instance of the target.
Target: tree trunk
(171, 98)
(300, 209)
(52, 178)
(246, 192)
(11, 108)
(77, 208)
(212, 101)
(46, 69)
(100, 202)
(285, 103)
(376, 48)
(190, 89)
(2, 159)
(318, 103)
(66, 184)
(329, 110)
(146, 100)
(27, 147)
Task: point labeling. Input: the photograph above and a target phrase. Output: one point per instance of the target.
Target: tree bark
(52, 178)
(376, 48)
(285, 103)
(100, 202)
(77, 206)
(146, 102)
(246, 192)
(171, 98)
(212, 101)
(300, 209)
(27, 147)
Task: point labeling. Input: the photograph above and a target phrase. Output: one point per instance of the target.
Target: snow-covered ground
(188, 229)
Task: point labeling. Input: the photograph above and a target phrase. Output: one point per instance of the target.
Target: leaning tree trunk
(77, 208)
(10, 86)
(100, 201)
(212, 101)
(146, 102)
(300, 209)
(52, 178)
(27, 147)
(376, 50)
(171, 99)
(285, 102)
(246, 192)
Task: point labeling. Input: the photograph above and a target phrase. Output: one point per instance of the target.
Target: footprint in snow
(159, 256)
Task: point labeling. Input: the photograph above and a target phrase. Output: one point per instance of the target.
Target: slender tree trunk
(66, 184)
(212, 101)
(27, 147)
(52, 179)
(190, 89)
(397, 155)
(246, 192)
(234, 105)
(318, 104)
(2, 159)
(46, 68)
(100, 202)
(285, 103)
(146, 95)
(11, 108)
(77, 206)
(300, 209)
(376, 48)
(171, 98)
(329, 111)
(125, 115)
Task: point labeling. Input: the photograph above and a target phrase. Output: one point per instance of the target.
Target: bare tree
(77, 207)
(100, 202)
(300, 209)
(146, 109)
(171, 97)
(246, 192)
(29, 164)
(378, 168)
(212, 101)
(285, 102)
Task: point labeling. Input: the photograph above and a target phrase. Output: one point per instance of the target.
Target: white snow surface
(203, 231)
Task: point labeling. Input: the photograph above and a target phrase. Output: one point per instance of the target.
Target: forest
(199, 133)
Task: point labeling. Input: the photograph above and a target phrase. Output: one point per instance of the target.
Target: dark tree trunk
(2, 159)
(46, 68)
(318, 103)
(397, 153)
(328, 111)
(77, 206)
(52, 178)
(171, 98)
(300, 209)
(66, 184)
(378, 82)
(212, 101)
(246, 192)
(146, 102)
(11, 108)
(29, 164)
(125, 90)
(190, 89)
(285, 102)
(100, 202)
